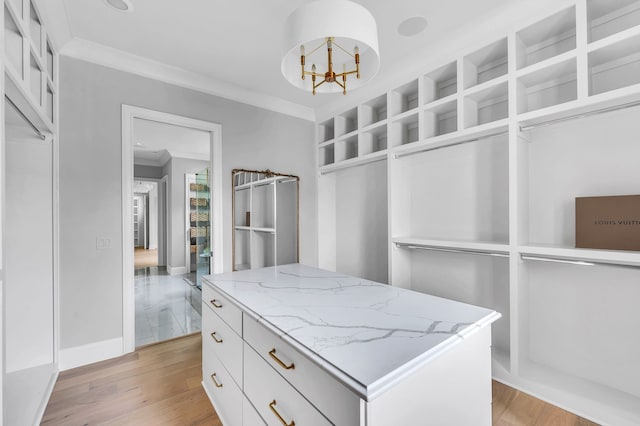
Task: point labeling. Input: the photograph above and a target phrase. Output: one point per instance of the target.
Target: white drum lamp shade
(349, 24)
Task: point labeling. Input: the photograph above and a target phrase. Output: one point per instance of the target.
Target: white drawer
(225, 343)
(250, 416)
(276, 400)
(331, 397)
(225, 395)
(227, 311)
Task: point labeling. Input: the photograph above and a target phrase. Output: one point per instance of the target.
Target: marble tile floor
(163, 306)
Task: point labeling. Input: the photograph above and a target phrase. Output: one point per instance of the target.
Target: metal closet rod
(25, 118)
(447, 250)
(474, 139)
(576, 262)
(350, 166)
(581, 115)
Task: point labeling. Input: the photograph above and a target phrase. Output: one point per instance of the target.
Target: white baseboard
(90, 353)
(176, 270)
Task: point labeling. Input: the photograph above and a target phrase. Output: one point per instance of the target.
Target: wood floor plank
(160, 385)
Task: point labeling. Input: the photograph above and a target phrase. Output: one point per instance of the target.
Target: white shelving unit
(473, 167)
(265, 207)
(28, 262)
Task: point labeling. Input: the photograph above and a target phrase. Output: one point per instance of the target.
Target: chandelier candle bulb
(323, 25)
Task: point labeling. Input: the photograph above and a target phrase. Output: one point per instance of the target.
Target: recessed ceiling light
(412, 26)
(120, 5)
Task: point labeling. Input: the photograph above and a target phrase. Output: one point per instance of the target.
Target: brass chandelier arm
(315, 74)
(341, 48)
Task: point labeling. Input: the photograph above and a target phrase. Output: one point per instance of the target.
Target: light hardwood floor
(144, 258)
(160, 385)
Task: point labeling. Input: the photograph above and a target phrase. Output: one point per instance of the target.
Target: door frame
(129, 114)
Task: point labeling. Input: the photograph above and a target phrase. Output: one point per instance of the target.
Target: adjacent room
(320, 212)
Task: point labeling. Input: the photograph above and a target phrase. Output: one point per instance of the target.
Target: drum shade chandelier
(338, 38)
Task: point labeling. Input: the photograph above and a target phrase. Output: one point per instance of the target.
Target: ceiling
(238, 42)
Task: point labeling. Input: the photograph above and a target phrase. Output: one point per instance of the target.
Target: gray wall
(91, 97)
(149, 172)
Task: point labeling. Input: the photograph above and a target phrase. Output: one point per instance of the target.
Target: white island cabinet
(295, 345)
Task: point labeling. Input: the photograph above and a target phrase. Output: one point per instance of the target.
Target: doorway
(170, 140)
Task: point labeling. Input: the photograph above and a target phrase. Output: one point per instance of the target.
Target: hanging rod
(575, 262)
(582, 115)
(447, 250)
(25, 118)
(475, 139)
(347, 166)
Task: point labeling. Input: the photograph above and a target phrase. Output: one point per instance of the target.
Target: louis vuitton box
(611, 223)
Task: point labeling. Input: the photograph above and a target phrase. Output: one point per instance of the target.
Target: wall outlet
(103, 243)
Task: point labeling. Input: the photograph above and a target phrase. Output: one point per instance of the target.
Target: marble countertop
(366, 334)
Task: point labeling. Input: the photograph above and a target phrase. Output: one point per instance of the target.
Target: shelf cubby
(404, 98)
(590, 347)
(564, 161)
(242, 249)
(262, 209)
(346, 149)
(13, 45)
(486, 106)
(327, 155)
(441, 119)
(405, 130)
(608, 17)
(35, 29)
(326, 130)
(486, 64)
(373, 111)
(50, 103)
(441, 82)
(36, 80)
(50, 61)
(549, 86)
(346, 122)
(614, 66)
(242, 206)
(373, 140)
(547, 38)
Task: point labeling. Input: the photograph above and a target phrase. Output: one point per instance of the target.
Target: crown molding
(117, 59)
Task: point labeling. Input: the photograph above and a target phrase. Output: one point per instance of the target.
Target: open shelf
(13, 43)
(608, 17)
(346, 122)
(486, 64)
(262, 207)
(591, 346)
(471, 185)
(50, 65)
(549, 86)
(373, 140)
(405, 131)
(35, 75)
(242, 248)
(548, 38)
(561, 162)
(327, 155)
(35, 29)
(614, 66)
(441, 119)
(486, 106)
(404, 98)
(346, 149)
(373, 111)
(466, 277)
(441, 83)
(325, 130)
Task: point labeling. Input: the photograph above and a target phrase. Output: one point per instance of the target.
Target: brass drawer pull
(215, 303)
(272, 353)
(216, 338)
(272, 405)
(213, 378)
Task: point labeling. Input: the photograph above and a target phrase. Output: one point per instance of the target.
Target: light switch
(103, 243)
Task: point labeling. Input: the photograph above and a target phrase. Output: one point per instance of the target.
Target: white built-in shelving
(479, 161)
(28, 261)
(265, 220)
